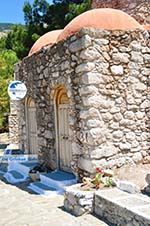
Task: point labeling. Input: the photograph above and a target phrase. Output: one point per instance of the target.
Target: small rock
(118, 117)
(78, 211)
(121, 57)
(117, 69)
(130, 136)
(129, 115)
(147, 189)
(125, 146)
(137, 157)
(146, 160)
(136, 46)
(48, 134)
(117, 134)
(91, 78)
(94, 123)
(85, 67)
(147, 178)
(136, 57)
(85, 90)
(128, 187)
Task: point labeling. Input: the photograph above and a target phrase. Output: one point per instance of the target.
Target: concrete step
(58, 179)
(43, 189)
(14, 176)
(121, 208)
(22, 167)
(53, 183)
(1, 173)
(18, 171)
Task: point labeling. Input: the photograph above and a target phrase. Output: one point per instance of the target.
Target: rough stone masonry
(139, 9)
(106, 75)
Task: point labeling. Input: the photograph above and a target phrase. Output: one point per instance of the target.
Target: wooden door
(32, 130)
(64, 141)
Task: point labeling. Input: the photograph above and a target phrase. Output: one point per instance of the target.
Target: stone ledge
(78, 202)
(121, 208)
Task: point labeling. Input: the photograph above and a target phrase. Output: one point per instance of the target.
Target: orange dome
(146, 27)
(47, 39)
(104, 18)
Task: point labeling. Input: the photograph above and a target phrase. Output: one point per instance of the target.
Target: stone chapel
(88, 98)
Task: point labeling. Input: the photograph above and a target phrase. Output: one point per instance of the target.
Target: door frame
(28, 103)
(59, 91)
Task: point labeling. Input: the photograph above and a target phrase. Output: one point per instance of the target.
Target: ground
(21, 208)
(135, 174)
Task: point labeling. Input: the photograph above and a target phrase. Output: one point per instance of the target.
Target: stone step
(18, 171)
(53, 183)
(14, 176)
(121, 208)
(43, 189)
(58, 179)
(22, 167)
(1, 173)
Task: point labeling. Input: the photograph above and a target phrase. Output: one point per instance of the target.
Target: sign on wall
(17, 90)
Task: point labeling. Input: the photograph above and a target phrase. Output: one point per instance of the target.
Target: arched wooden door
(32, 128)
(64, 144)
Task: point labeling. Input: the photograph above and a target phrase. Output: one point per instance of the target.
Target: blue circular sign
(17, 90)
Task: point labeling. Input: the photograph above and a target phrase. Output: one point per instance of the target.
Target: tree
(40, 17)
(35, 16)
(7, 60)
(19, 41)
(27, 9)
(76, 9)
(56, 16)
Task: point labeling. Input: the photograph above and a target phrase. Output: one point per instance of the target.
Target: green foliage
(3, 43)
(77, 9)
(40, 17)
(27, 9)
(35, 37)
(56, 16)
(19, 41)
(108, 182)
(7, 60)
(35, 16)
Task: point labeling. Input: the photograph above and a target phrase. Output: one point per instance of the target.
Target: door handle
(64, 137)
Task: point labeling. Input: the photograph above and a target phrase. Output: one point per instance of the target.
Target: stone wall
(106, 75)
(139, 9)
(78, 201)
(114, 99)
(43, 73)
(121, 208)
(14, 122)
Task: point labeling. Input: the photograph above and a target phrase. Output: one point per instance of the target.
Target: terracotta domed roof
(104, 18)
(47, 39)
